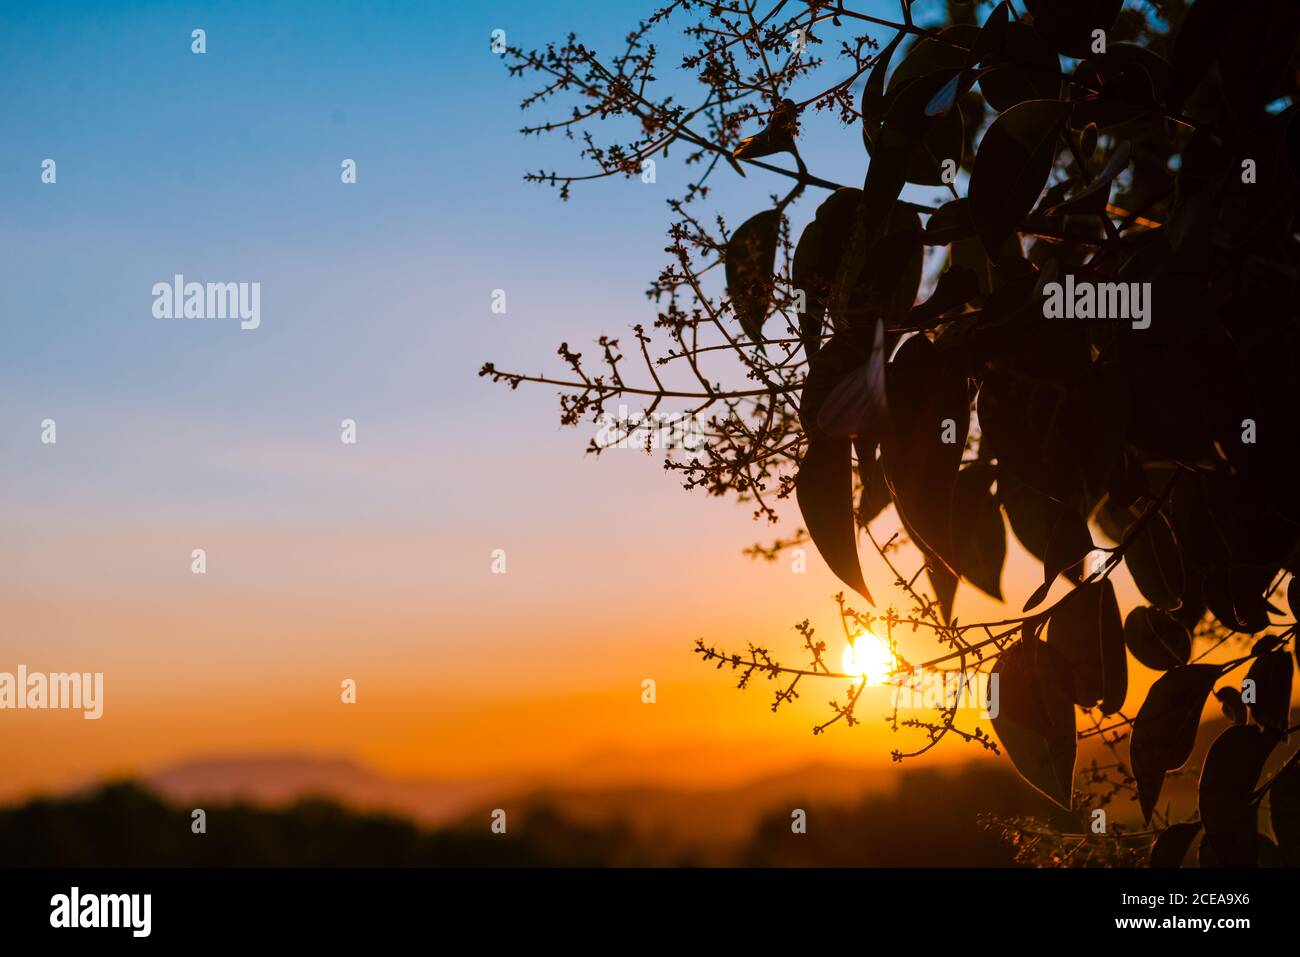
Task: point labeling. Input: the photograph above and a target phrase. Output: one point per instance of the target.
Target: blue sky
(375, 306)
(375, 297)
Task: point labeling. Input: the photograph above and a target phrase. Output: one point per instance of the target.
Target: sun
(870, 657)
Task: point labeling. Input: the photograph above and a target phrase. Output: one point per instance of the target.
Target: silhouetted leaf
(817, 258)
(944, 583)
(1088, 146)
(857, 405)
(1228, 777)
(928, 138)
(874, 104)
(949, 223)
(1085, 628)
(1197, 45)
(1035, 718)
(979, 537)
(1112, 88)
(875, 490)
(929, 56)
(1173, 843)
(1284, 813)
(777, 137)
(824, 490)
(1271, 672)
(956, 287)
(1164, 730)
(1154, 561)
(1042, 523)
(891, 274)
(1156, 639)
(1067, 544)
(1023, 68)
(927, 403)
(750, 262)
(1235, 595)
(1118, 162)
(1068, 25)
(1012, 165)
(1230, 701)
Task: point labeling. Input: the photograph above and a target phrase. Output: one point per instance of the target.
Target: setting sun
(870, 657)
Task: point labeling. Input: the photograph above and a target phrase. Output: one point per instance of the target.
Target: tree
(1093, 331)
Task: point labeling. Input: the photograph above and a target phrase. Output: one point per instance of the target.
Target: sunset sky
(373, 562)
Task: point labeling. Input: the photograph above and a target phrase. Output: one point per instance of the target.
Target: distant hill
(279, 781)
(678, 816)
(932, 819)
(321, 811)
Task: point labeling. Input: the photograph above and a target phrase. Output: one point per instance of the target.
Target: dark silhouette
(1108, 345)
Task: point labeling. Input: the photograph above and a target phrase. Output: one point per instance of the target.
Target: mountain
(279, 781)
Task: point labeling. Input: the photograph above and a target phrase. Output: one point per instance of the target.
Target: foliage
(902, 354)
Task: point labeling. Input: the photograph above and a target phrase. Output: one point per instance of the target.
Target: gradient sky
(370, 561)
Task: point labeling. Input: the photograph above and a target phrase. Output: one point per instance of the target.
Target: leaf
(1067, 544)
(930, 55)
(1271, 672)
(979, 537)
(1025, 68)
(927, 403)
(895, 122)
(875, 491)
(857, 406)
(824, 491)
(1172, 844)
(1235, 596)
(1117, 163)
(1035, 716)
(1022, 423)
(1232, 768)
(1011, 167)
(842, 353)
(989, 40)
(944, 583)
(874, 104)
(1085, 628)
(1156, 639)
(1284, 813)
(1164, 731)
(750, 263)
(928, 138)
(1068, 25)
(1042, 523)
(1197, 46)
(1155, 562)
(891, 275)
(946, 98)
(777, 137)
(1088, 146)
(817, 258)
(1230, 702)
(949, 223)
(957, 286)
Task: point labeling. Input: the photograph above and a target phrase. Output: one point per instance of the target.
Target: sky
(370, 561)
